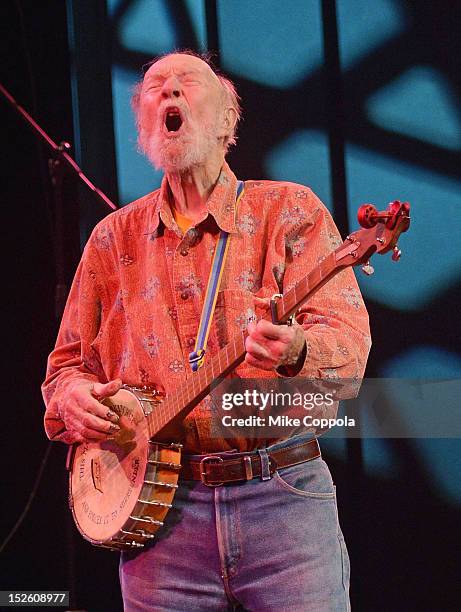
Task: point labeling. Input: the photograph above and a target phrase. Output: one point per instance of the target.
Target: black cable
(30, 500)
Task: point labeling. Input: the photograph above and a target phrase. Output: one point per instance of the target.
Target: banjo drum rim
(145, 448)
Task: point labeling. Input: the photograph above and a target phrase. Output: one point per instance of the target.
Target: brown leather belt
(214, 470)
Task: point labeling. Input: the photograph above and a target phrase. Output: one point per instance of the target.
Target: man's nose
(171, 88)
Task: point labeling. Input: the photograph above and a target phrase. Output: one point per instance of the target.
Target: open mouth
(173, 119)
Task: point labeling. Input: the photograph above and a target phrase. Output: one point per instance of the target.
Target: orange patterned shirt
(136, 300)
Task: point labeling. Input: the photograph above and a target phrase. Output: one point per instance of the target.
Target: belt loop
(265, 468)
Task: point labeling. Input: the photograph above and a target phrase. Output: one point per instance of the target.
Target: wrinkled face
(182, 115)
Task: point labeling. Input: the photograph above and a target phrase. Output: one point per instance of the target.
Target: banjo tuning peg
(367, 269)
(396, 255)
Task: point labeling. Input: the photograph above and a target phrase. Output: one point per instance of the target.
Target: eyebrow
(181, 74)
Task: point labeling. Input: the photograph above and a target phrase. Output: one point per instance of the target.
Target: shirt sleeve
(74, 358)
(334, 319)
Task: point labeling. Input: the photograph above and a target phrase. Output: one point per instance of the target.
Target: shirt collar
(221, 204)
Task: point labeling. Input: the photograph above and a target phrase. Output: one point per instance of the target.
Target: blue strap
(197, 357)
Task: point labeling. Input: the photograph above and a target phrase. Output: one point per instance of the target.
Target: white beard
(176, 155)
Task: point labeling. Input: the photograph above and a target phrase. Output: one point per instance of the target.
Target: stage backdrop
(358, 100)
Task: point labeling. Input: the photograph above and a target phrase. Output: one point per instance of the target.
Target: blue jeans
(262, 545)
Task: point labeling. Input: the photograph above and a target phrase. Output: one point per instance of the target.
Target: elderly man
(266, 543)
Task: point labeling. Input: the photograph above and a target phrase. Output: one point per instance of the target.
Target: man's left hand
(270, 346)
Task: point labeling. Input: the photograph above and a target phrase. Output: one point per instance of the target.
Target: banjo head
(120, 490)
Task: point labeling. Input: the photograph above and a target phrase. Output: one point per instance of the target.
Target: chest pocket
(234, 309)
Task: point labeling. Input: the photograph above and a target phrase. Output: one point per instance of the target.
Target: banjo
(120, 489)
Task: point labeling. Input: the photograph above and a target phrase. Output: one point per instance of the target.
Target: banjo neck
(379, 234)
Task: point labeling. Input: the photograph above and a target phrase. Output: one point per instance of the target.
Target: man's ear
(229, 120)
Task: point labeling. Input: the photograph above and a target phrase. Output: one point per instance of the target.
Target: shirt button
(184, 295)
(184, 252)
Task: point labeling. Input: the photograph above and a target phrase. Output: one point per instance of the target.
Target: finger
(76, 436)
(102, 390)
(262, 364)
(266, 349)
(255, 349)
(266, 329)
(89, 424)
(265, 357)
(88, 404)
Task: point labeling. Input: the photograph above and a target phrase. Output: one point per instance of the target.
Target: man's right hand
(84, 416)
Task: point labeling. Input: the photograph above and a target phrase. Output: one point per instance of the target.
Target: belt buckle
(209, 459)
